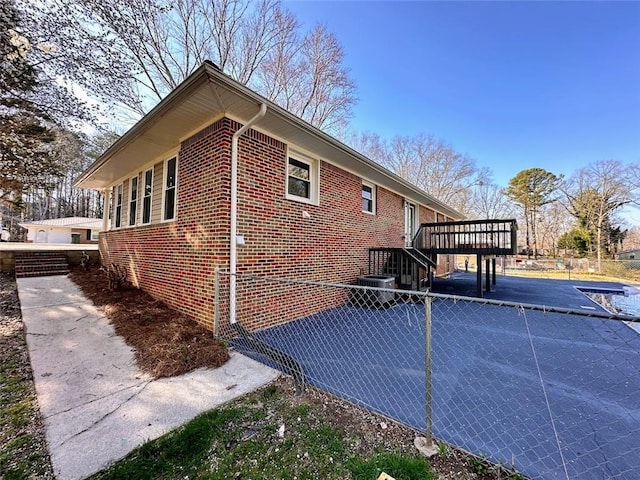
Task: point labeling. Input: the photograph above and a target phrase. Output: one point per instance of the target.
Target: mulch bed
(169, 343)
(166, 342)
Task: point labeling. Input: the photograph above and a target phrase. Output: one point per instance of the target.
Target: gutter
(234, 239)
(310, 130)
(208, 72)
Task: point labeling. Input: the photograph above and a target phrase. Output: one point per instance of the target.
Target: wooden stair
(41, 264)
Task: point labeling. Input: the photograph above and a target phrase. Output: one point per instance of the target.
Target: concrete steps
(41, 264)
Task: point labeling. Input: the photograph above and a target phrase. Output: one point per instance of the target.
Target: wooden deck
(468, 237)
(486, 239)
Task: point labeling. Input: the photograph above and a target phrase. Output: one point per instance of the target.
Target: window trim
(131, 201)
(314, 179)
(144, 196)
(410, 205)
(117, 207)
(165, 165)
(374, 192)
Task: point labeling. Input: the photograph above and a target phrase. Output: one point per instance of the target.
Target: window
(88, 233)
(146, 196)
(302, 180)
(95, 235)
(410, 222)
(368, 197)
(118, 203)
(169, 194)
(133, 200)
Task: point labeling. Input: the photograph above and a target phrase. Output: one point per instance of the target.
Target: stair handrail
(416, 241)
(419, 257)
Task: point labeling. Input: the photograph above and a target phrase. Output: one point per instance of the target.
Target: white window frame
(117, 207)
(372, 186)
(411, 220)
(165, 189)
(95, 235)
(144, 196)
(314, 179)
(132, 202)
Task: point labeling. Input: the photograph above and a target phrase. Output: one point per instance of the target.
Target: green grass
(18, 413)
(235, 442)
(18, 408)
(17, 460)
(397, 466)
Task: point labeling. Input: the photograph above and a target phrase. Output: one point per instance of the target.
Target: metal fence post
(427, 371)
(216, 302)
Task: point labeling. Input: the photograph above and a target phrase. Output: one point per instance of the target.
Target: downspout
(233, 240)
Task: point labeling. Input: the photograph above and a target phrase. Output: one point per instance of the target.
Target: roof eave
(193, 81)
(314, 131)
(209, 72)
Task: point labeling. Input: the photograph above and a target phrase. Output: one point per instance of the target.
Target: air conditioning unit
(376, 297)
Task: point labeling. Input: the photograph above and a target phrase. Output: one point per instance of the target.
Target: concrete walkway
(96, 403)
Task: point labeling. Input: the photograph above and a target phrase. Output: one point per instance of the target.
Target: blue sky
(512, 84)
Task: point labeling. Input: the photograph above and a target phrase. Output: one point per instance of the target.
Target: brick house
(307, 206)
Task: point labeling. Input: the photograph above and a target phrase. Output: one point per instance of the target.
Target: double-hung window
(169, 192)
(368, 197)
(133, 200)
(146, 196)
(302, 180)
(118, 203)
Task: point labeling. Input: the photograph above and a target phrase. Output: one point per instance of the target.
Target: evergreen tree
(26, 134)
(531, 189)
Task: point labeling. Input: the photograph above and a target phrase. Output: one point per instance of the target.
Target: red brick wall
(175, 261)
(331, 245)
(83, 235)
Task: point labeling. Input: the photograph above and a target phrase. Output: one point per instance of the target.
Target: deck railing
(485, 237)
(409, 267)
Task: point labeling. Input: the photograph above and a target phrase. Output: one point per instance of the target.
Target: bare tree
(595, 192)
(632, 239)
(58, 198)
(553, 221)
(430, 164)
(156, 44)
(327, 93)
(34, 105)
(448, 174)
(67, 70)
(489, 201)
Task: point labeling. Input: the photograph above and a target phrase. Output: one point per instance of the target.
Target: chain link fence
(561, 268)
(549, 392)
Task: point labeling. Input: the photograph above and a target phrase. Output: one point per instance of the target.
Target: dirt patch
(369, 433)
(166, 342)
